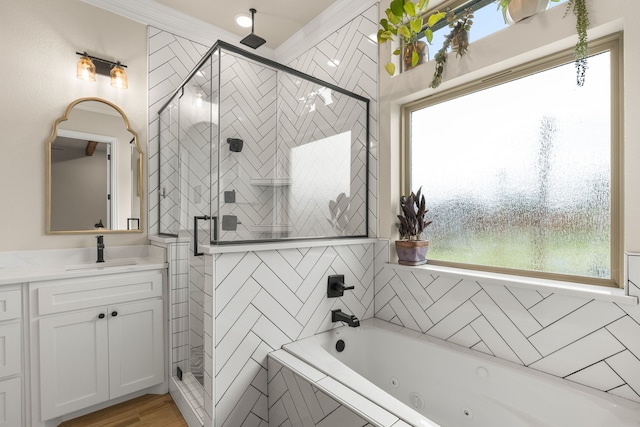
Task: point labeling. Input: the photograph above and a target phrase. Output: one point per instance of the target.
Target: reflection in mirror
(94, 171)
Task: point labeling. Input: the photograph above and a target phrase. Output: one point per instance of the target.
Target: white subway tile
(580, 354)
(505, 328)
(599, 376)
(575, 325)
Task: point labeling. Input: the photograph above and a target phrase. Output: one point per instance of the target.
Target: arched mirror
(93, 171)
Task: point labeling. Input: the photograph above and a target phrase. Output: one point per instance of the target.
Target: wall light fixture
(89, 65)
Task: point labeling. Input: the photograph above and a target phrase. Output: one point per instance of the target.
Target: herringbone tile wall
(269, 298)
(322, 147)
(248, 112)
(349, 59)
(171, 58)
(301, 123)
(284, 308)
(594, 343)
(294, 401)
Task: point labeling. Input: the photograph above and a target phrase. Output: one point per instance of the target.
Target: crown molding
(157, 15)
(329, 21)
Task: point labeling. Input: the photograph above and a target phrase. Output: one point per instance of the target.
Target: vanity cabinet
(10, 356)
(98, 339)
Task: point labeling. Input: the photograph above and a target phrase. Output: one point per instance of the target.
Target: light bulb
(86, 70)
(118, 77)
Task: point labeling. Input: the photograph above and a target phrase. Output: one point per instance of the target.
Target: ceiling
(275, 20)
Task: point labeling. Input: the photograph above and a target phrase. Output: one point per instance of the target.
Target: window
(520, 174)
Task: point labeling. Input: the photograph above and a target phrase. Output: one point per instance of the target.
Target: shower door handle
(195, 231)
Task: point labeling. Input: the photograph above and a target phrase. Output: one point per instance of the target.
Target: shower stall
(254, 151)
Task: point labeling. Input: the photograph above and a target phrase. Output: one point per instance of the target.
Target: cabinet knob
(101, 316)
(114, 313)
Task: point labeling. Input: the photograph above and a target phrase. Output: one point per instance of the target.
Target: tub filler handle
(336, 286)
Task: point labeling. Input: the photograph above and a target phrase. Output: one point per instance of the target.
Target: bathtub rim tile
(296, 365)
(368, 410)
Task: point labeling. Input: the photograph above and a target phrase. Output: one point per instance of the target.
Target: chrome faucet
(339, 316)
(100, 248)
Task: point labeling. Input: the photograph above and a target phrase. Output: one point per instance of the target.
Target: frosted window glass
(519, 175)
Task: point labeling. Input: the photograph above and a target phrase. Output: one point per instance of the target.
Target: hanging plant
(457, 39)
(405, 20)
(579, 9)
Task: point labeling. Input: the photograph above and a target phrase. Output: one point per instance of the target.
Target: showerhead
(252, 40)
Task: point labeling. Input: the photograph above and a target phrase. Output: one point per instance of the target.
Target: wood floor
(148, 410)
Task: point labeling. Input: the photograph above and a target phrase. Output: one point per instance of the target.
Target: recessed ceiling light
(243, 20)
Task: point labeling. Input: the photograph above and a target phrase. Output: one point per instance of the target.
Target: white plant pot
(517, 10)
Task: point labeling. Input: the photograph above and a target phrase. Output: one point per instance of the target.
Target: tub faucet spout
(339, 316)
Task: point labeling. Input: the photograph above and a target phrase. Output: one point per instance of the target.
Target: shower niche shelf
(271, 182)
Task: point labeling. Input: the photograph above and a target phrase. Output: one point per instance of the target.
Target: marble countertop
(32, 266)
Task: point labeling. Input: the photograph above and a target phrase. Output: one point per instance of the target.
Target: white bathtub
(428, 382)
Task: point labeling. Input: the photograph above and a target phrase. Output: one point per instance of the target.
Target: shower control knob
(101, 316)
(336, 286)
(114, 313)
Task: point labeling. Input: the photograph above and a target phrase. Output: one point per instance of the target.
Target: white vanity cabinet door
(136, 346)
(74, 371)
(10, 403)
(97, 339)
(10, 349)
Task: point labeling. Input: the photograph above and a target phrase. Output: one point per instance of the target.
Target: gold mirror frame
(48, 147)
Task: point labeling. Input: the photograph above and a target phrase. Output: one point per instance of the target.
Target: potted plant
(412, 248)
(457, 40)
(517, 10)
(405, 20)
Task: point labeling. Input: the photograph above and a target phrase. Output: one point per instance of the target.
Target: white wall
(533, 38)
(39, 41)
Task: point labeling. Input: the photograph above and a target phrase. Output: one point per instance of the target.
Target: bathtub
(425, 381)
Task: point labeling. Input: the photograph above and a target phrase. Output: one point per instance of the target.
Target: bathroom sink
(102, 265)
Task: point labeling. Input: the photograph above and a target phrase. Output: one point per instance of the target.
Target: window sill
(600, 293)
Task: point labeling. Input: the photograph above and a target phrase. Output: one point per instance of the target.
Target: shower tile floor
(194, 393)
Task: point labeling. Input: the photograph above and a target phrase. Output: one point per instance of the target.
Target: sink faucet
(339, 316)
(100, 248)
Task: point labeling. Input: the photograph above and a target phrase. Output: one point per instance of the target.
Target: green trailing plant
(413, 218)
(581, 50)
(457, 40)
(460, 28)
(406, 21)
(441, 60)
